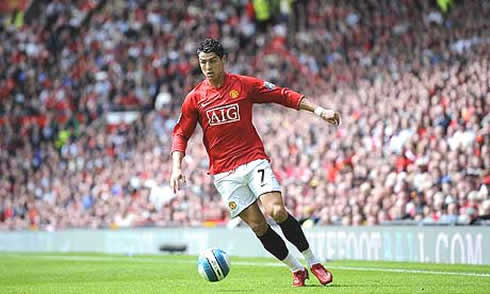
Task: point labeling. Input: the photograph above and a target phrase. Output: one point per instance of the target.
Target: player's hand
(177, 180)
(331, 116)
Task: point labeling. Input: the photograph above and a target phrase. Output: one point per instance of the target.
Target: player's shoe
(321, 273)
(299, 277)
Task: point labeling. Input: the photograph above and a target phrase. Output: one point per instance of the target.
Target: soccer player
(222, 105)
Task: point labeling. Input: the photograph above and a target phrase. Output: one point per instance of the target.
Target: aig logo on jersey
(223, 114)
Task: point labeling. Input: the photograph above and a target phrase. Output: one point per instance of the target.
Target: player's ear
(224, 58)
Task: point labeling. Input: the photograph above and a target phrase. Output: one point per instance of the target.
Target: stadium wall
(457, 244)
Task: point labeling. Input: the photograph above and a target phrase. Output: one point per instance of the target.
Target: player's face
(212, 66)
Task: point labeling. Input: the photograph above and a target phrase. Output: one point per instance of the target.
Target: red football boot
(321, 273)
(299, 277)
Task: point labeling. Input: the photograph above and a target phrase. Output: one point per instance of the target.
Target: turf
(101, 273)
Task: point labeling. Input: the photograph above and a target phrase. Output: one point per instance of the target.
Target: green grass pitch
(102, 273)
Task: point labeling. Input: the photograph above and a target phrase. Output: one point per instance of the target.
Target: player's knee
(278, 213)
(259, 228)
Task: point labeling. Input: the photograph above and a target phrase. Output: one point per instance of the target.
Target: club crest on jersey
(269, 85)
(234, 93)
(223, 114)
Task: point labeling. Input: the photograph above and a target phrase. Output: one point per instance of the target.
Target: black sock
(274, 244)
(294, 233)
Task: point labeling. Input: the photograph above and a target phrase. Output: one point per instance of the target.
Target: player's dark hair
(211, 45)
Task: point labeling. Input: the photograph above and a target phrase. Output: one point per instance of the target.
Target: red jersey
(225, 116)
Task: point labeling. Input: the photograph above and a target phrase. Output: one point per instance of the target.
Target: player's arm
(177, 178)
(328, 115)
(180, 136)
(265, 92)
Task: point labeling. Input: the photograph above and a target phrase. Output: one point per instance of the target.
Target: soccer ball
(213, 264)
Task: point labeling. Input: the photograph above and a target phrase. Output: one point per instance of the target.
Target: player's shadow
(341, 286)
(337, 285)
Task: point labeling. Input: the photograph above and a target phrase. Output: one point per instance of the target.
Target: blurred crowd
(410, 79)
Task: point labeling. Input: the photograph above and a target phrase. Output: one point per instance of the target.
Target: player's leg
(271, 241)
(265, 185)
(242, 202)
(292, 230)
(274, 207)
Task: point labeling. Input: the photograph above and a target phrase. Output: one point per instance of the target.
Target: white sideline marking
(378, 269)
(412, 271)
(245, 263)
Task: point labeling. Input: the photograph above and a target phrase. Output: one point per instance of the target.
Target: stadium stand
(90, 91)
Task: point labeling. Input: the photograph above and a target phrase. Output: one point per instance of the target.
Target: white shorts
(241, 187)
